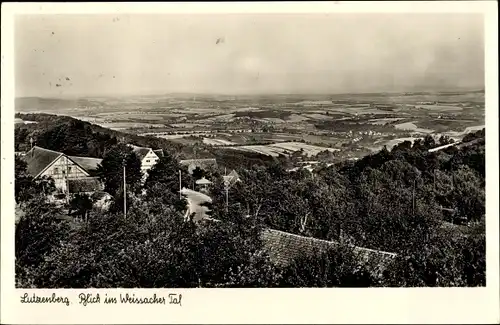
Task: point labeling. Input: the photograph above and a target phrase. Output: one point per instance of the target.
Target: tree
(166, 171)
(444, 140)
(110, 170)
(154, 251)
(339, 267)
(429, 142)
(468, 194)
(81, 204)
(162, 184)
(70, 137)
(445, 260)
(27, 187)
(38, 233)
(405, 146)
(258, 272)
(198, 173)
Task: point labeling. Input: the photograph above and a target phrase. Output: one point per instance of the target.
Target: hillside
(426, 207)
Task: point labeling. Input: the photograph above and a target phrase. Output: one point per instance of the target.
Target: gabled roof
(234, 174)
(158, 152)
(87, 184)
(201, 163)
(88, 163)
(232, 178)
(283, 248)
(38, 159)
(141, 152)
(203, 181)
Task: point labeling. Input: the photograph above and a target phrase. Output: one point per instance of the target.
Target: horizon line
(185, 93)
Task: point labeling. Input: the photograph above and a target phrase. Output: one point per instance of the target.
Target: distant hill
(31, 104)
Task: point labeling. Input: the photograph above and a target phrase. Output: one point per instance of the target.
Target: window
(56, 170)
(147, 160)
(70, 169)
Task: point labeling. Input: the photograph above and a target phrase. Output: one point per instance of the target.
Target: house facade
(148, 158)
(62, 170)
(43, 162)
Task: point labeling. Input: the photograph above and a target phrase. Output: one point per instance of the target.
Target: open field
(412, 127)
(217, 142)
(353, 123)
(283, 149)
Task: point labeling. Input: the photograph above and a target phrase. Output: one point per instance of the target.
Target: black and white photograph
(249, 150)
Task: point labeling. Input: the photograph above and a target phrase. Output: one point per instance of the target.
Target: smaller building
(231, 179)
(204, 164)
(148, 158)
(203, 184)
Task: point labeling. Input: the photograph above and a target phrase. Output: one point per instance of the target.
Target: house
(62, 168)
(71, 174)
(204, 164)
(231, 179)
(148, 158)
(283, 248)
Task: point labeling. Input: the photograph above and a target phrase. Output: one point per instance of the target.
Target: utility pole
(227, 197)
(434, 179)
(226, 188)
(413, 197)
(31, 144)
(180, 184)
(66, 178)
(124, 190)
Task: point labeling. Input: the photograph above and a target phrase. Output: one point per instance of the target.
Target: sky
(99, 55)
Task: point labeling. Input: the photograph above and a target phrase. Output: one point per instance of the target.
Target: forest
(427, 207)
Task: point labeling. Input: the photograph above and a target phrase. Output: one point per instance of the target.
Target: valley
(348, 125)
